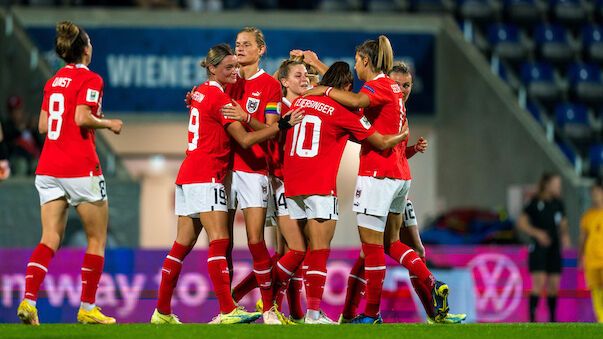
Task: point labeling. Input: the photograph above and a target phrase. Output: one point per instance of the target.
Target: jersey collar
(77, 66)
(216, 84)
(260, 72)
(286, 102)
(381, 75)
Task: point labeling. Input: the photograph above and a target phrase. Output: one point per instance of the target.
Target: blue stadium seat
(505, 42)
(585, 82)
(592, 40)
(523, 11)
(596, 159)
(539, 80)
(569, 11)
(572, 119)
(476, 10)
(568, 151)
(432, 5)
(534, 111)
(552, 43)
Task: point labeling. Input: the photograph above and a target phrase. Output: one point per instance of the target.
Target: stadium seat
(432, 5)
(568, 151)
(592, 41)
(534, 111)
(585, 82)
(387, 5)
(523, 11)
(552, 44)
(505, 42)
(476, 10)
(539, 80)
(572, 119)
(596, 159)
(569, 11)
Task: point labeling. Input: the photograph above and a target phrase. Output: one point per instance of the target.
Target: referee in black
(544, 220)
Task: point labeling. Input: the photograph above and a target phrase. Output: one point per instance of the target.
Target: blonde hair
(259, 36)
(215, 56)
(400, 67)
(379, 52)
(70, 42)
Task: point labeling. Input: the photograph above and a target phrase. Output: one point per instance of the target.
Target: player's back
(592, 223)
(69, 150)
(208, 153)
(313, 148)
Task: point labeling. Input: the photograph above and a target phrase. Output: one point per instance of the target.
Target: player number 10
(297, 146)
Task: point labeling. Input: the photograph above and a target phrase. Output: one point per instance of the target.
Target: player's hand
(310, 58)
(297, 115)
(115, 125)
(421, 145)
(4, 170)
(234, 111)
(189, 97)
(543, 238)
(318, 91)
(296, 53)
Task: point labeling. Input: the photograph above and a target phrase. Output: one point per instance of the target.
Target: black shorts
(544, 259)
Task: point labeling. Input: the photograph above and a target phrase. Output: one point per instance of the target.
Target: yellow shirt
(592, 224)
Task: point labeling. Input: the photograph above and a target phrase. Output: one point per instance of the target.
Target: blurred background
(503, 90)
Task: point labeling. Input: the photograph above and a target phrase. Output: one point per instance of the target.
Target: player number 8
(58, 100)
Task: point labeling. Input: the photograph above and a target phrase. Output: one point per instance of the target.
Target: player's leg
(594, 277)
(355, 290)
(188, 230)
(290, 262)
(54, 220)
(552, 288)
(538, 282)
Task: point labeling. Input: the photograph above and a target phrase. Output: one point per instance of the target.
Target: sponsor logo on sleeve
(369, 88)
(365, 122)
(92, 95)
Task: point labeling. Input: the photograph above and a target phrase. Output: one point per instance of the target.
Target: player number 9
(193, 127)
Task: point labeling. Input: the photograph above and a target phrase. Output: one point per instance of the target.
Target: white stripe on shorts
(175, 259)
(38, 266)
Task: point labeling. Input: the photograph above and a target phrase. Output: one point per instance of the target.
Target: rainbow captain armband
(273, 108)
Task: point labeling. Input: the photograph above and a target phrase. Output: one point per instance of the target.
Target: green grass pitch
(258, 331)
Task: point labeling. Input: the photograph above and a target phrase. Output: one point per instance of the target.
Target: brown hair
(379, 53)
(284, 70)
(338, 76)
(400, 67)
(259, 36)
(545, 179)
(215, 55)
(70, 42)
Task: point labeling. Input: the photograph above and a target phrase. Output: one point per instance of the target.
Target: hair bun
(203, 63)
(68, 31)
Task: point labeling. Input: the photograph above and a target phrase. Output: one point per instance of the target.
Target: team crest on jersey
(396, 88)
(252, 105)
(365, 122)
(264, 189)
(92, 95)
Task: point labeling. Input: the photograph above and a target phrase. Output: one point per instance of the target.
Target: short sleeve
(222, 101)
(90, 92)
(358, 126)
(46, 97)
(273, 106)
(375, 97)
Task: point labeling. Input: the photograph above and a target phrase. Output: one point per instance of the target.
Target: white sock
(87, 306)
(31, 302)
(312, 314)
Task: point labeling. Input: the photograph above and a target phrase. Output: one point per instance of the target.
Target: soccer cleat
(439, 296)
(93, 317)
(271, 317)
(237, 316)
(344, 320)
(322, 320)
(281, 316)
(159, 318)
(365, 319)
(450, 319)
(259, 306)
(294, 321)
(28, 313)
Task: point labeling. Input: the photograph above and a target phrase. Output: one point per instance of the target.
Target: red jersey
(259, 95)
(277, 146)
(314, 147)
(208, 155)
(69, 150)
(387, 114)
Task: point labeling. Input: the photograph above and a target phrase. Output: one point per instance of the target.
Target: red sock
(170, 271)
(424, 295)
(355, 290)
(316, 276)
(374, 270)
(244, 287)
(36, 270)
(294, 295)
(217, 267)
(92, 268)
(409, 259)
(285, 268)
(229, 261)
(262, 267)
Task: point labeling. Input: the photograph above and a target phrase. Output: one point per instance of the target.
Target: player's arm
(524, 225)
(234, 111)
(420, 146)
(348, 99)
(43, 122)
(565, 237)
(85, 118)
(247, 139)
(383, 142)
(312, 59)
(581, 245)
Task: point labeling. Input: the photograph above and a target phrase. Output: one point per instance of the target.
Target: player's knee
(52, 240)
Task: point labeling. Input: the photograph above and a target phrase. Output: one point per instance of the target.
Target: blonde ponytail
(385, 55)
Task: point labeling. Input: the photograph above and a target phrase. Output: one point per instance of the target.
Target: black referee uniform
(546, 216)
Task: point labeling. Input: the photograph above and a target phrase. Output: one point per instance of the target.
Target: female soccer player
(383, 178)
(312, 155)
(591, 247)
(200, 193)
(69, 172)
(543, 219)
